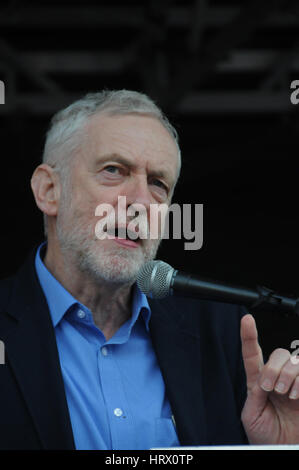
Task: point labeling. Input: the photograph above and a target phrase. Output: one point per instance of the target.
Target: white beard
(100, 259)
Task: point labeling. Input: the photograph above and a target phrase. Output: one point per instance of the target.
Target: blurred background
(222, 71)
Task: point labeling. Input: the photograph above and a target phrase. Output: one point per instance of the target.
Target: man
(91, 363)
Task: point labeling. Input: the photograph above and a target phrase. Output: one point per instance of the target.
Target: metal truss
(196, 58)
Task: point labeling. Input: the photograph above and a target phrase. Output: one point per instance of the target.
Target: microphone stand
(255, 299)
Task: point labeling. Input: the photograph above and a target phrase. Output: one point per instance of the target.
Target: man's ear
(45, 185)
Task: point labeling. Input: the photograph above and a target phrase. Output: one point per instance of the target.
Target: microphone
(157, 280)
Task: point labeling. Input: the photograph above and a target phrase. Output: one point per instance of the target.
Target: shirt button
(104, 351)
(81, 314)
(118, 412)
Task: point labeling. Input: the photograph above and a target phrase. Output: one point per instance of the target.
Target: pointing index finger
(251, 350)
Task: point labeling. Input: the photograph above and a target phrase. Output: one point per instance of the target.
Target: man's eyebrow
(115, 157)
(160, 174)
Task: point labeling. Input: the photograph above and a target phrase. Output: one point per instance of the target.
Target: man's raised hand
(271, 411)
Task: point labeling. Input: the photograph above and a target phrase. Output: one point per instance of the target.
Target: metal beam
(83, 62)
(235, 102)
(86, 62)
(10, 57)
(194, 72)
(43, 17)
(197, 25)
(192, 104)
(278, 75)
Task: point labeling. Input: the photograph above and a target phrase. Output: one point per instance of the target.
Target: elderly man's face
(129, 155)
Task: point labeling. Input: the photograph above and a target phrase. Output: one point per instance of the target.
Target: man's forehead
(133, 124)
(125, 134)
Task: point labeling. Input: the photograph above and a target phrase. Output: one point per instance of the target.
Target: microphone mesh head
(154, 279)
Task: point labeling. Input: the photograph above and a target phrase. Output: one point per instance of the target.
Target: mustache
(140, 232)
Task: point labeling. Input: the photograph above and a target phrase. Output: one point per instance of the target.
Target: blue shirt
(114, 389)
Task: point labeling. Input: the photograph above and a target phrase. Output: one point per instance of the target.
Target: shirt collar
(60, 300)
(140, 306)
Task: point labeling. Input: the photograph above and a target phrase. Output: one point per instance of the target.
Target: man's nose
(139, 193)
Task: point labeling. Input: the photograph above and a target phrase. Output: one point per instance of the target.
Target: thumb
(251, 350)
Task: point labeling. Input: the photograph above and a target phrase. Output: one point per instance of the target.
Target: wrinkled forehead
(135, 135)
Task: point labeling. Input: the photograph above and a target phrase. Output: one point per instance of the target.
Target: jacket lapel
(177, 348)
(31, 350)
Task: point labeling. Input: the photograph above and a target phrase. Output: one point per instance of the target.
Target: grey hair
(66, 131)
(64, 135)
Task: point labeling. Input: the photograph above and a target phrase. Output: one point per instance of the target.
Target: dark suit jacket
(197, 345)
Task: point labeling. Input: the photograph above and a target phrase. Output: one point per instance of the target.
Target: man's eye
(160, 184)
(112, 169)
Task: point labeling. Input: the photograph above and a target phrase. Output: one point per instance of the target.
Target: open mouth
(124, 236)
